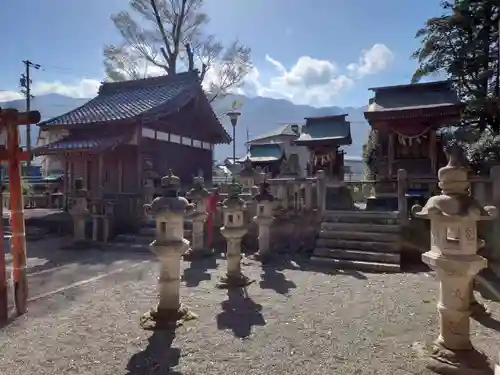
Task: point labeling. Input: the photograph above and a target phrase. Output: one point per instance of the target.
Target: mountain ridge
(259, 115)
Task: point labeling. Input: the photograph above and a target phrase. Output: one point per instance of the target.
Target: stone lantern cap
(233, 201)
(247, 170)
(264, 192)
(170, 200)
(198, 191)
(455, 201)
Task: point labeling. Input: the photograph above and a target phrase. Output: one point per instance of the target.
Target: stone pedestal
(198, 195)
(169, 245)
(79, 213)
(233, 230)
(264, 218)
(453, 255)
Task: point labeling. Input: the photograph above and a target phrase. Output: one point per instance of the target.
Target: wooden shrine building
(266, 156)
(405, 122)
(323, 136)
(157, 123)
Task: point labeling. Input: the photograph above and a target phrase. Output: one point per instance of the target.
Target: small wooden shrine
(132, 130)
(405, 122)
(324, 136)
(266, 156)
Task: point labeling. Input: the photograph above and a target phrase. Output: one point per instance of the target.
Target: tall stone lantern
(233, 230)
(453, 255)
(79, 211)
(264, 218)
(198, 195)
(169, 211)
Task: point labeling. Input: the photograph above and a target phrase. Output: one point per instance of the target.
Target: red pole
(18, 240)
(3, 272)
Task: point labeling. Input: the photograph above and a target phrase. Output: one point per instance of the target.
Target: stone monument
(79, 211)
(169, 245)
(264, 218)
(233, 230)
(453, 255)
(199, 195)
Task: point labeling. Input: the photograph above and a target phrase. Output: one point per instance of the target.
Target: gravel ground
(294, 321)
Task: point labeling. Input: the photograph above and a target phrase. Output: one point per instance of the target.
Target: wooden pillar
(120, 174)
(100, 174)
(433, 151)
(3, 272)
(390, 153)
(66, 180)
(18, 240)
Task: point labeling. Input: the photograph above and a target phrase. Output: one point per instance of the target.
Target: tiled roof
(415, 96)
(128, 99)
(82, 142)
(282, 130)
(329, 128)
(265, 152)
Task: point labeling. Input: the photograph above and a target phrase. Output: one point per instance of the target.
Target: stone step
(356, 264)
(373, 246)
(359, 236)
(365, 256)
(361, 217)
(356, 227)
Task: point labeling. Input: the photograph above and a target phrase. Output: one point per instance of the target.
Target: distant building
(285, 135)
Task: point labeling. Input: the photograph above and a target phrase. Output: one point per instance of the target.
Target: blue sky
(305, 50)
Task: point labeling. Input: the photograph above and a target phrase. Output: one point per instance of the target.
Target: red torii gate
(10, 119)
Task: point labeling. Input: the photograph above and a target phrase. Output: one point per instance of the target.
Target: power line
(25, 82)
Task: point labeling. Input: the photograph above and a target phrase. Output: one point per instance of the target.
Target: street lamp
(233, 116)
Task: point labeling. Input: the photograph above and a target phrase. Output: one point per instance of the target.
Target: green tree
(170, 35)
(462, 44)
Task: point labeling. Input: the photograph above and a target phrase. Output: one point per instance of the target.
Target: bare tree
(168, 35)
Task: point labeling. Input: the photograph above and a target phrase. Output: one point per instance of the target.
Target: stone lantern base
(467, 362)
(165, 319)
(234, 281)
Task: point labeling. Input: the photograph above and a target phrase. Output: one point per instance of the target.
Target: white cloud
(372, 61)
(86, 88)
(316, 82)
(6, 96)
(309, 81)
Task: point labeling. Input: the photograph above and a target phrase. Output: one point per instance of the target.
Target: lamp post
(233, 116)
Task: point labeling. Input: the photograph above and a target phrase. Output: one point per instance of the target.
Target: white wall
(50, 163)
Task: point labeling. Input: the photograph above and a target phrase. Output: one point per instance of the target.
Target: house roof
(83, 142)
(327, 129)
(262, 153)
(126, 100)
(394, 101)
(282, 130)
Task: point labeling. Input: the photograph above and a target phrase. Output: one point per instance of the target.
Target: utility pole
(25, 82)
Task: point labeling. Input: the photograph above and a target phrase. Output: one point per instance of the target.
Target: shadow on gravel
(489, 322)
(158, 358)
(305, 264)
(240, 313)
(198, 271)
(273, 279)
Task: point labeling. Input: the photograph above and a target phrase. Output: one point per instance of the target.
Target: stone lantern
(233, 230)
(199, 195)
(169, 211)
(247, 176)
(264, 217)
(79, 211)
(453, 255)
